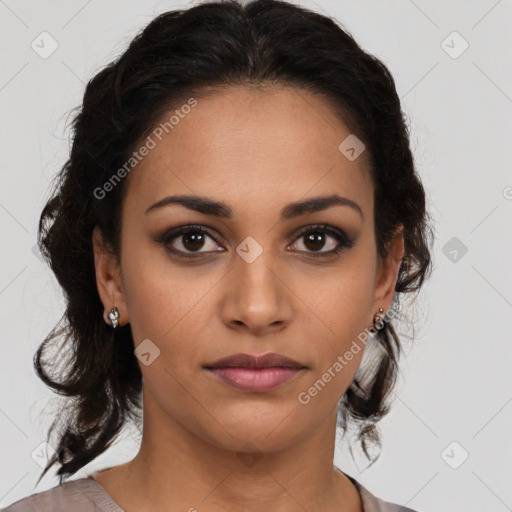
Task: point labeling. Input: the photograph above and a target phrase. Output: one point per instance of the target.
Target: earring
(377, 319)
(114, 317)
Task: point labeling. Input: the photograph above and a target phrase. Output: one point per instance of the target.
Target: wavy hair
(179, 53)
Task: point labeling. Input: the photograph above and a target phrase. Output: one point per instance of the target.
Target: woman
(237, 221)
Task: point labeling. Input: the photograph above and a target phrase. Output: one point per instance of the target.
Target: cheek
(340, 327)
(159, 295)
(344, 300)
(171, 306)
(167, 309)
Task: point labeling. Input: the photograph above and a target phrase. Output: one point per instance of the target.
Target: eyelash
(343, 240)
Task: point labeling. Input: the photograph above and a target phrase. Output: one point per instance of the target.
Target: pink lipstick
(256, 373)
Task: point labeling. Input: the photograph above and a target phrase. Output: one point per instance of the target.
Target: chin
(255, 432)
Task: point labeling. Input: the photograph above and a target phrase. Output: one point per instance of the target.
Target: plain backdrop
(446, 442)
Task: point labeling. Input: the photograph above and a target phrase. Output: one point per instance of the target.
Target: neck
(177, 470)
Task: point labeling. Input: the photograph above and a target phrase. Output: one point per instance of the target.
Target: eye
(316, 237)
(189, 238)
(188, 241)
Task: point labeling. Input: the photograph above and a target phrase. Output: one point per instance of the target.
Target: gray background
(455, 383)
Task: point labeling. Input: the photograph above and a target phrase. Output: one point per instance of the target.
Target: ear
(108, 278)
(387, 272)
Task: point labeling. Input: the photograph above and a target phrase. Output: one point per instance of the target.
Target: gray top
(87, 495)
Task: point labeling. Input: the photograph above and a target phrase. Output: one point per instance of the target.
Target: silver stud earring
(114, 317)
(377, 319)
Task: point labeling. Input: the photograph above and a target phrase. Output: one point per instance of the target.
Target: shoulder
(81, 495)
(373, 504)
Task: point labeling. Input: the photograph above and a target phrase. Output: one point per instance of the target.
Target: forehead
(251, 147)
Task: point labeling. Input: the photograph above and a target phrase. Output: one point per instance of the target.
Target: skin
(256, 151)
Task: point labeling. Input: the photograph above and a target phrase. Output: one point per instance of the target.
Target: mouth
(255, 373)
(255, 379)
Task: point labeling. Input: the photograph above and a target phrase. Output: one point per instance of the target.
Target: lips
(255, 373)
(268, 360)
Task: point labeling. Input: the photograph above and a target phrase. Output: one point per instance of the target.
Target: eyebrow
(211, 207)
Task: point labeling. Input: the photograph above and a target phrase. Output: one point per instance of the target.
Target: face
(254, 276)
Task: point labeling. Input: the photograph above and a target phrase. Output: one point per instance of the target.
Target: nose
(257, 297)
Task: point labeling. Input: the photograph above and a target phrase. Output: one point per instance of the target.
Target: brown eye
(316, 238)
(193, 240)
(187, 240)
(315, 241)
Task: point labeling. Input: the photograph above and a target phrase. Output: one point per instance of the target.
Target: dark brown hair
(180, 54)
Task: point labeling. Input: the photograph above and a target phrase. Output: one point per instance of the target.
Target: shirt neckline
(367, 498)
